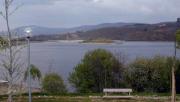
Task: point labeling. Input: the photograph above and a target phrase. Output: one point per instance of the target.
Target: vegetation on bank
(97, 70)
(101, 69)
(3, 42)
(150, 74)
(35, 73)
(52, 83)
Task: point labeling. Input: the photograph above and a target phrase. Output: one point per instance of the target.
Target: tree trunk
(173, 97)
(10, 51)
(10, 97)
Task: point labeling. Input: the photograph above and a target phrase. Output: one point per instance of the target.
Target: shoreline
(81, 41)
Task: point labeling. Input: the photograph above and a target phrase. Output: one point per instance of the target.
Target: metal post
(29, 69)
(173, 87)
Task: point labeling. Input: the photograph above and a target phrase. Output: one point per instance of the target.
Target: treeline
(101, 69)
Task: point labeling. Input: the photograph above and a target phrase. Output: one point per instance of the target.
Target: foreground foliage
(35, 73)
(53, 84)
(150, 74)
(99, 69)
(3, 43)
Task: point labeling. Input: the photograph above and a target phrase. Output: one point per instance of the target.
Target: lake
(62, 56)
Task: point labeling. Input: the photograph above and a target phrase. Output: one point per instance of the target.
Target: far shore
(83, 41)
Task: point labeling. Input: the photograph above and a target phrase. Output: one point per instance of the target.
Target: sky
(71, 13)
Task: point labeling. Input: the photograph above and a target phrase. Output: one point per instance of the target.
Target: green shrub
(3, 42)
(150, 74)
(98, 69)
(53, 84)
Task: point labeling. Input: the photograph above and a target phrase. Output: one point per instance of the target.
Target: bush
(35, 73)
(53, 84)
(150, 74)
(3, 42)
(99, 69)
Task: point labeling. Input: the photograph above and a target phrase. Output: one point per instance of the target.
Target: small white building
(3, 81)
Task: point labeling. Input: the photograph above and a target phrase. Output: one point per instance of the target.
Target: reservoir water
(61, 56)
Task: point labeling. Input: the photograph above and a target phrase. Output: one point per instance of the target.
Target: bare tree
(14, 74)
(10, 62)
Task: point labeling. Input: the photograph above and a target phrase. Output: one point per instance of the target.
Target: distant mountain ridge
(132, 32)
(138, 32)
(135, 32)
(39, 30)
(164, 31)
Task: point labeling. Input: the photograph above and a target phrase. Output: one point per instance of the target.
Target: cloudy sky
(70, 13)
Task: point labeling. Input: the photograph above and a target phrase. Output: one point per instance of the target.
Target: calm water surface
(61, 57)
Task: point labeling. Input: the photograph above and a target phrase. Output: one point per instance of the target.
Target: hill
(134, 32)
(39, 30)
(113, 31)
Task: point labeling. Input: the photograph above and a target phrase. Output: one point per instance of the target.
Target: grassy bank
(87, 99)
(138, 97)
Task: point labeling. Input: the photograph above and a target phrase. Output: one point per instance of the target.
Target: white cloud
(146, 10)
(97, 1)
(36, 2)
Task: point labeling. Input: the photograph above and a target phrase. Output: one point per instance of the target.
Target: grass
(82, 99)
(151, 94)
(51, 99)
(86, 98)
(79, 97)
